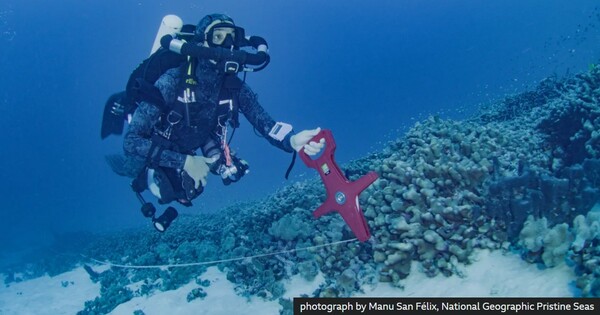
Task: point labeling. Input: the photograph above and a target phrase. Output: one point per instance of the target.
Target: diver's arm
(137, 142)
(262, 121)
(260, 57)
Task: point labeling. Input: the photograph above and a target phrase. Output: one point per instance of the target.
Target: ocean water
(367, 70)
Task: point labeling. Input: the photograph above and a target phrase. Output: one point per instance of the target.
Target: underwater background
(475, 114)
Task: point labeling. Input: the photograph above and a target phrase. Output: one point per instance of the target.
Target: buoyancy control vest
(195, 120)
(198, 115)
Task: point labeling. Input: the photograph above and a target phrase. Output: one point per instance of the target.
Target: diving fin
(113, 119)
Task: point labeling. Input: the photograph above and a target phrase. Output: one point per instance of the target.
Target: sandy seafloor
(493, 274)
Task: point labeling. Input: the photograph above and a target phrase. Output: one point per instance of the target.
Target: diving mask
(225, 35)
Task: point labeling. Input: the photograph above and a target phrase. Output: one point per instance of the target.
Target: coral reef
(551, 245)
(521, 175)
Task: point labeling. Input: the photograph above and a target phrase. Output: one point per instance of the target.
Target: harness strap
(230, 92)
(227, 111)
(173, 117)
(159, 144)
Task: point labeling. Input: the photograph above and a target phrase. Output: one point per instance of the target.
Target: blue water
(367, 70)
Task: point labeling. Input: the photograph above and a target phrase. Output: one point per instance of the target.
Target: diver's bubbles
(7, 31)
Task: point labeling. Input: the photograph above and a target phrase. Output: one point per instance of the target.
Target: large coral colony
(521, 175)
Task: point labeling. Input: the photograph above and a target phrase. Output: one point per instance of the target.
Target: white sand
(493, 274)
(46, 295)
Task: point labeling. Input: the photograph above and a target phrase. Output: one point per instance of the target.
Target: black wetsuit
(186, 140)
(122, 104)
(150, 70)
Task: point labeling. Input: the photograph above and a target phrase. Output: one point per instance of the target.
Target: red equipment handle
(342, 195)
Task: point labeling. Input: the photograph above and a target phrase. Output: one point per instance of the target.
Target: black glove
(189, 187)
(256, 41)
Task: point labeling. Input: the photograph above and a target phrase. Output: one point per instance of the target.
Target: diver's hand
(197, 167)
(301, 140)
(258, 43)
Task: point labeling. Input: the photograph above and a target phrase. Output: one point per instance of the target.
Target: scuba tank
(170, 24)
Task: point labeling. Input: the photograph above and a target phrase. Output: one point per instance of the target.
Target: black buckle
(189, 186)
(232, 67)
(173, 117)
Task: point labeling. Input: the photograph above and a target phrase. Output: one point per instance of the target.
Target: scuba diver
(120, 106)
(183, 123)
